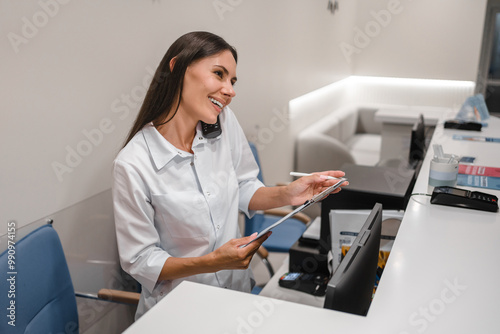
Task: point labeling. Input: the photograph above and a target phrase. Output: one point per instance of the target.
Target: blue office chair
(36, 286)
(284, 235)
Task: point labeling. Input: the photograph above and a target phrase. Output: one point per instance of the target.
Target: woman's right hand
(232, 256)
(228, 256)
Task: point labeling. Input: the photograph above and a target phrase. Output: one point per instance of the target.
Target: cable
(421, 194)
(418, 194)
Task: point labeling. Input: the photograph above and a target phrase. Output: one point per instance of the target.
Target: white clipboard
(314, 199)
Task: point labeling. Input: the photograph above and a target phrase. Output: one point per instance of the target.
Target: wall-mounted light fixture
(333, 6)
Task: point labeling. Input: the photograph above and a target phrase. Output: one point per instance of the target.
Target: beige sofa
(347, 135)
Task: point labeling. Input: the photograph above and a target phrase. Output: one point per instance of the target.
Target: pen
(306, 174)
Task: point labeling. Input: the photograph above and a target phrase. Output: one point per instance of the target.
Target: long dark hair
(166, 86)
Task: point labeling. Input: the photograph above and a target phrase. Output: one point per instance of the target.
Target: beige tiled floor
(259, 269)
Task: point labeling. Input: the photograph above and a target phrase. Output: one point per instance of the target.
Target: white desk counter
(442, 276)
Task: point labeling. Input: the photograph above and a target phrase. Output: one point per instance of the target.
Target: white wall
(425, 39)
(73, 75)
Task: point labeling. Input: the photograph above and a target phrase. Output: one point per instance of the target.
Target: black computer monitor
(351, 287)
(417, 142)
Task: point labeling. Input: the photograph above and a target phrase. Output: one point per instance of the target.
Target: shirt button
(200, 138)
(218, 226)
(208, 194)
(192, 163)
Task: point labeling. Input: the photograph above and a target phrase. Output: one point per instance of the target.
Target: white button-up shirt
(168, 202)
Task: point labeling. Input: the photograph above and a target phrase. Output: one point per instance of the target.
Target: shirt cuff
(247, 190)
(147, 275)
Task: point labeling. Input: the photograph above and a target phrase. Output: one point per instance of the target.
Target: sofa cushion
(365, 148)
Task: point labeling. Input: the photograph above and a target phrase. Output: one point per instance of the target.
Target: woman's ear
(171, 64)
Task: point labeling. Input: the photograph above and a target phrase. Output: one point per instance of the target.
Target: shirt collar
(160, 149)
(199, 139)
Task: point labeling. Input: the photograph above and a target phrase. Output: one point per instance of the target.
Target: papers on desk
(478, 181)
(479, 176)
(477, 138)
(479, 170)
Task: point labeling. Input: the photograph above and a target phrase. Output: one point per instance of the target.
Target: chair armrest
(263, 253)
(119, 296)
(283, 212)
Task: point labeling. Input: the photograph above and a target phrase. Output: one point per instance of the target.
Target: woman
(176, 193)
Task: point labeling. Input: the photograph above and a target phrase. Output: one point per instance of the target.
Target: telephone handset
(211, 130)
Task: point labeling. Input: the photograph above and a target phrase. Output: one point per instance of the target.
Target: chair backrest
(37, 291)
(256, 156)
(249, 221)
(287, 235)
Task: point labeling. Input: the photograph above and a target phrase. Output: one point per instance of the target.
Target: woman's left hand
(306, 187)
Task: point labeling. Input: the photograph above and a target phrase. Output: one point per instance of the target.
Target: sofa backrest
(345, 122)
